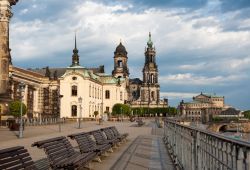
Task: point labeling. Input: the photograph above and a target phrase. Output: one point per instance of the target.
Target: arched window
(119, 63)
(153, 95)
(89, 90)
(152, 78)
(73, 110)
(74, 90)
(107, 94)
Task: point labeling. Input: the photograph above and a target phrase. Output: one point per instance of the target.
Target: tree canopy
(247, 114)
(15, 108)
(121, 109)
(146, 111)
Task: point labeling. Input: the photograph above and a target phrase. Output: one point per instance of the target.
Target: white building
(98, 91)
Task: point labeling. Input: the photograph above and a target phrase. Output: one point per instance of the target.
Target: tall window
(120, 95)
(107, 94)
(119, 63)
(73, 110)
(152, 78)
(74, 90)
(89, 90)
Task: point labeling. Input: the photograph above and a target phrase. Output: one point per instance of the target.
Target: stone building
(98, 91)
(5, 58)
(202, 108)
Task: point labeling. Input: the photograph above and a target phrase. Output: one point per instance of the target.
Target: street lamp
(21, 88)
(80, 116)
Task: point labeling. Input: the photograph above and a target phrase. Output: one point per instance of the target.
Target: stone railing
(195, 149)
(42, 121)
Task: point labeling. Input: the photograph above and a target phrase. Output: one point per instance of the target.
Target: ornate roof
(121, 49)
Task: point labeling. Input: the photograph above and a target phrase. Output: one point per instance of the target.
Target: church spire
(75, 56)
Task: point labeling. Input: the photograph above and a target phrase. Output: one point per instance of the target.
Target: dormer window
(74, 78)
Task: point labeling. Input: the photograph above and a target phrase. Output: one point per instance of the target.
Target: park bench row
(60, 152)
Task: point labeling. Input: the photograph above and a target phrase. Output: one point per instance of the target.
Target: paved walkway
(146, 152)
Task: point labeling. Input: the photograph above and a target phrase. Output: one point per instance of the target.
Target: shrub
(15, 108)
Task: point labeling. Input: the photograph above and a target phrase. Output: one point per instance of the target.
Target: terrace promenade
(143, 150)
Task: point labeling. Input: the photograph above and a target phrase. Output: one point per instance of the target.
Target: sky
(201, 45)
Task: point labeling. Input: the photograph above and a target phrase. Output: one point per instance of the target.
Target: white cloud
(24, 11)
(191, 79)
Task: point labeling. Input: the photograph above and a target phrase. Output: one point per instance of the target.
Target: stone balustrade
(195, 149)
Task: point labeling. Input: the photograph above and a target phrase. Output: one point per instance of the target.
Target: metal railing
(195, 149)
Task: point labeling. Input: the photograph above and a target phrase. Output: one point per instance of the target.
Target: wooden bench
(101, 139)
(16, 158)
(111, 136)
(118, 134)
(87, 144)
(61, 154)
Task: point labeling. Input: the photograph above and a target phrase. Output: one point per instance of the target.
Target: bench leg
(105, 154)
(110, 150)
(89, 166)
(98, 159)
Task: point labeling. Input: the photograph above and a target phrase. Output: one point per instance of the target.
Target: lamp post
(21, 88)
(80, 116)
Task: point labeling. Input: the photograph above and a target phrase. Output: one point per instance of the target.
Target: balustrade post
(240, 159)
(224, 154)
(194, 150)
(248, 159)
(234, 158)
(198, 150)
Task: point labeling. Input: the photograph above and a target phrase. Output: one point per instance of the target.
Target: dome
(121, 49)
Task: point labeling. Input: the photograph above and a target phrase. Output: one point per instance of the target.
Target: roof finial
(120, 41)
(75, 39)
(150, 43)
(75, 56)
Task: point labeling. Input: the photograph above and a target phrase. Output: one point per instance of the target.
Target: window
(74, 90)
(119, 63)
(107, 94)
(153, 95)
(73, 110)
(89, 90)
(74, 78)
(152, 78)
(120, 95)
(107, 109)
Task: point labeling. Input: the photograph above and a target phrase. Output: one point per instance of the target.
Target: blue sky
(202, 45)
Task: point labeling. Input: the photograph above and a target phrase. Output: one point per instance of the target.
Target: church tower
(150, 90)
(120, 62)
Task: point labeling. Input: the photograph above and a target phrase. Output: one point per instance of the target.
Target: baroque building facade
(202, 108)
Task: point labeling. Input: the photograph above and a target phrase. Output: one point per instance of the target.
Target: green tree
(247, 114)
(121, 109)
(15, 108)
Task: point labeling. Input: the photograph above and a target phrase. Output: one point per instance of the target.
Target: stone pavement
(146, 152)
(155, 154)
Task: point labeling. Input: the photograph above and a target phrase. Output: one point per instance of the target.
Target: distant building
(202, 108)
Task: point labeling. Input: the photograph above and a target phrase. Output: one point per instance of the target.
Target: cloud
(191, 79)
(230, 5)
